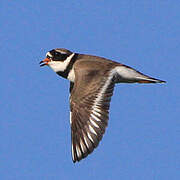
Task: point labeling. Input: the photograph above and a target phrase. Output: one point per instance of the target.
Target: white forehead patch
(48, 54)
(61, 51)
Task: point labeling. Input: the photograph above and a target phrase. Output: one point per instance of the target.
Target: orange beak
(44, 62)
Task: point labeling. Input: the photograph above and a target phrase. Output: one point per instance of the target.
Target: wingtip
(162, 81)
(148, 79)
(159, 81)
(75, 160)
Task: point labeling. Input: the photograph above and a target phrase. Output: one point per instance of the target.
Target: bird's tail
(127, 74)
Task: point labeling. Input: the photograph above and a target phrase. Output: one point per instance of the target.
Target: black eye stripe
(60, 57)
(57, 56)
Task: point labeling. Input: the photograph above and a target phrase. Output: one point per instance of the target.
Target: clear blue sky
(142, 139)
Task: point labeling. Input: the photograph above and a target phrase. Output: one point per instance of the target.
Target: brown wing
(89, 101)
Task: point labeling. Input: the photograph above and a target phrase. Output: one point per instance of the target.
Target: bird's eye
(57, 53)
(59, 57)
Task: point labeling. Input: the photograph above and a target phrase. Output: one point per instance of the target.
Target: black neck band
(65, 73)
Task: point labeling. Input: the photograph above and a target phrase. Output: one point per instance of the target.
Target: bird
(92, 81)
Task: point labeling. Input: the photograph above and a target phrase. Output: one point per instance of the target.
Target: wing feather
(89, 101)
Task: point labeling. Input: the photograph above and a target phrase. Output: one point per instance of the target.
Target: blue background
(142, 139)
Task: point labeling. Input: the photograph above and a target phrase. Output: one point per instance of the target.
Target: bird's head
(58, 59)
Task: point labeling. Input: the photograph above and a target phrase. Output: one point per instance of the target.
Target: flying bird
(92, 80)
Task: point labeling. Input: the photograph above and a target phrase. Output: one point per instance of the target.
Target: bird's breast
(71, 75)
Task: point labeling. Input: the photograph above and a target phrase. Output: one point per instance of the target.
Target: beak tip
(44, 62)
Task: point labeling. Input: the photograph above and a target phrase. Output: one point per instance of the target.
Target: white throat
(60, 66)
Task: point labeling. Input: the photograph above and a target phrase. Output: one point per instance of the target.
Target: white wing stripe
(97, 113)
(99, 97)
(94, 117)
(82, 146)
(89, 136)
(85, 140)
(93, 123)
(97, 109)
(92, 130)
(70, 117)
(78, 151)
(73, 152)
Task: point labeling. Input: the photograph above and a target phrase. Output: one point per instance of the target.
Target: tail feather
(127, 74)
(150, 80)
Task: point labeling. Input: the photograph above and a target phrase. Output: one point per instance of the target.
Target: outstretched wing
(89, 103)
